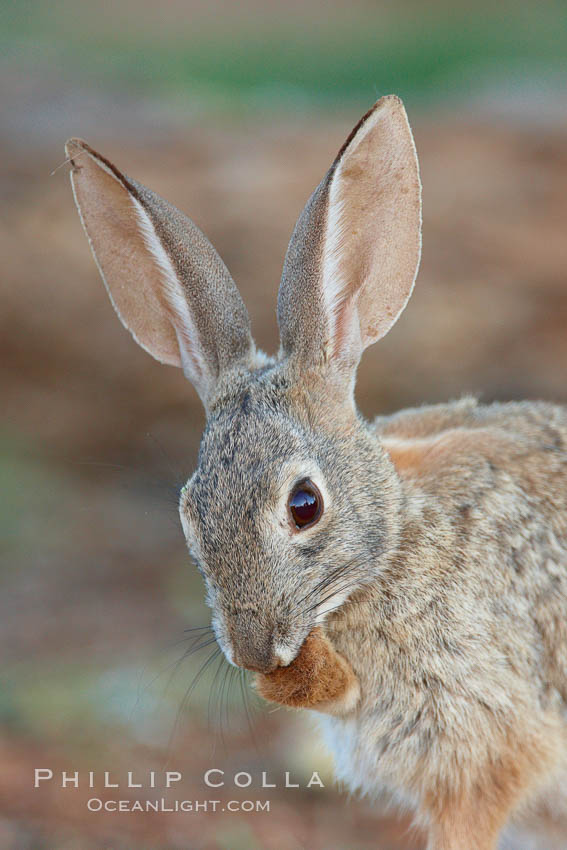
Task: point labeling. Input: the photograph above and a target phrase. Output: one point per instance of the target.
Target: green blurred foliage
(273, 55)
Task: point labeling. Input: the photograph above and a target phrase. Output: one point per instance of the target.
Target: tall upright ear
(167, 283)
(354, 254)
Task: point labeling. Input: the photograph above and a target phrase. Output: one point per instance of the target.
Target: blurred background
(232, 111)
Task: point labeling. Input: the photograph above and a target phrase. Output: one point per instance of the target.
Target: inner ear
(167, 283)
(353, 257)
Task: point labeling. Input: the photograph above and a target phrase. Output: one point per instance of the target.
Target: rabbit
(415, 567)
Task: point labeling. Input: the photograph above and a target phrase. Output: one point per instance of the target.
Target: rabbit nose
(259, 659)
(253, 665)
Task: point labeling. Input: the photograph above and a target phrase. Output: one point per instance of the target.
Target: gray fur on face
(262, 438)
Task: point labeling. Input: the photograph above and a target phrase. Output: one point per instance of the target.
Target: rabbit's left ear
(354, 254)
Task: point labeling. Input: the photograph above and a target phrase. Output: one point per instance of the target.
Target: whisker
(212, 692)
(196, 678)
(329, 577)
(245, 702)
(337, 573)
(231, 682)
(334, 608)
(221, 701)
(339, 576)
(340, 589)
(178, 479)
(339, 604)
(172, 664)
(177, 664)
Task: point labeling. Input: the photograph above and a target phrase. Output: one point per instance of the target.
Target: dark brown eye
(305, 504)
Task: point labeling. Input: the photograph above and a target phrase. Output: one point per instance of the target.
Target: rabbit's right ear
(353, 257)
(167, 283)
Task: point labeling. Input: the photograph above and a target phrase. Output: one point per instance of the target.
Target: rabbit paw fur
(318, 678)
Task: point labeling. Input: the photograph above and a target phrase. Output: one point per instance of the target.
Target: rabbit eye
(305, 504)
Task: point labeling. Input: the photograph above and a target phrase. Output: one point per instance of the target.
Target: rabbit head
(293, 502)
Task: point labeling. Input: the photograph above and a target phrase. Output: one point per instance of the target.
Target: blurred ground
(96, 587)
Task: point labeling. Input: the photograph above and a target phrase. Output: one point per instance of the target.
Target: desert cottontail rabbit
(422, 557)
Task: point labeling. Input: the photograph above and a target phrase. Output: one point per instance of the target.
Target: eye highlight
(305, 504)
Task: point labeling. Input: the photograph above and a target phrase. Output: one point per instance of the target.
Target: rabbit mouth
(264, 658)
(281, 656)
(286, 654)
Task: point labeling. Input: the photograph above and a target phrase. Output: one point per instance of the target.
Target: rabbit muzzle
(256, 647)
(264, 662)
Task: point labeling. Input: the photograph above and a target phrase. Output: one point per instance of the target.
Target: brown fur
(425, 457)
(316, 678)
(474, 818)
